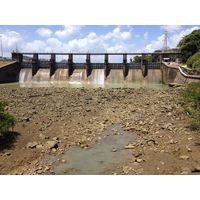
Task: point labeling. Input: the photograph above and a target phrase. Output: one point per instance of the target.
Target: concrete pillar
(17, 57)
(52, 64)
(70, 65)
(144, 66)
(35, 64)
(125, 66)
(88, 67)
(106, 68)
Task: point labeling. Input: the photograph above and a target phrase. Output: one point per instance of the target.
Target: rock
(185, 170)
(139, 160)
(126, 169)
(7, 154)
(129, 147)
(114, 150)
(51, 144)
(167, 107)
(144, 131)
(55, 138)
(42, 136)
(184, 157)
(32, 145)
(39, 146)
(189, 149)
(196, 169)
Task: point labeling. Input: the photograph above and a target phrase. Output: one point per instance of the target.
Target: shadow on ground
(7, 141)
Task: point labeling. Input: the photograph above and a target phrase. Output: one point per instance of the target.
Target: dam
(44, 68)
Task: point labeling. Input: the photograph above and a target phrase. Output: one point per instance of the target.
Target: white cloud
(171, 28)
(10, 41)
(117, 35)
(155, 44)
(44, 32)
(69, 31)
(174, 39)
(54, 43)
(145, 36)
(35, 46)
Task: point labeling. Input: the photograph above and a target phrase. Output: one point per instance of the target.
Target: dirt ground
(52, 120)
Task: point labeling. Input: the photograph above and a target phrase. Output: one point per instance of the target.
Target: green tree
(194, 62)
(137, 59)
(190, 44)
(7, 121)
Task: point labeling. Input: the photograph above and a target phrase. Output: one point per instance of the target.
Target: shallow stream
(109, 150)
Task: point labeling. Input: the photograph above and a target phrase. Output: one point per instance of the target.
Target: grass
(191, 101)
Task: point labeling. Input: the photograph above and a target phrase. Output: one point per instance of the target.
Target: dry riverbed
(52, 120)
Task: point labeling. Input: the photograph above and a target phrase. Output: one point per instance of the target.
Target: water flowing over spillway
(25, 75)
(97, 77)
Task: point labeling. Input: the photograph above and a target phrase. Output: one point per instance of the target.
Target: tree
(194, 62)
(137, 59)
(190, 44)
(7, 121)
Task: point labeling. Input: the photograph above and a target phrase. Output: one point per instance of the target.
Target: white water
(96, 79)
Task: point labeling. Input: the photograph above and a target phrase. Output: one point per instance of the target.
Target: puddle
(93, 161)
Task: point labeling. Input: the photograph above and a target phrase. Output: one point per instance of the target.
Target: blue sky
(90, 38)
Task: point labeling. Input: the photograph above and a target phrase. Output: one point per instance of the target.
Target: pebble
(184, 157)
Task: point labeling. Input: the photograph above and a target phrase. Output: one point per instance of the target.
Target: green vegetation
(194, 63)
(190, 44)
(7, 121)
(149, 58)
(191, 99)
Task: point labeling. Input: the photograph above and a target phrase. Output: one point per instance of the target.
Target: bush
(194, 63)
(7, 121)
(191, 99)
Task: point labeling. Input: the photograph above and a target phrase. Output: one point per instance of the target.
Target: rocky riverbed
(52, 120)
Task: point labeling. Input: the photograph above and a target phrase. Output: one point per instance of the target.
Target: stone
(144, 131)
(55, 138)
(7, 154)
(51, 144)
(139, 160)
(126, 169)
(32, 145)
(185, 170)
(114, 150)
(196, 169)
(184, 157)
(42, 136)
(129, 147)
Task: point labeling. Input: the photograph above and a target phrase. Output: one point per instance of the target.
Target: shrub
(7, 121)
(191, 99)
(194, 62)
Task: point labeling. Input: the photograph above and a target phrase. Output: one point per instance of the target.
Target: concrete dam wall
(167, 74)
(97, 76)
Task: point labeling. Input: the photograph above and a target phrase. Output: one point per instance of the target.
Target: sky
(90, 38)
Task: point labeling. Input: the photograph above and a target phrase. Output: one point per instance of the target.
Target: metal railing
(46, 64)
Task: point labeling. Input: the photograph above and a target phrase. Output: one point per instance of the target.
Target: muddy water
(109, 150)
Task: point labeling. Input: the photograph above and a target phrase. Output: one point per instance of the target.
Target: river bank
(52, 120)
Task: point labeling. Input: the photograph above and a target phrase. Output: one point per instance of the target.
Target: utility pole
(1, 47)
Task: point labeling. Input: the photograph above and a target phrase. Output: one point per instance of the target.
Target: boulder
(51, 144)
(32, 145)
